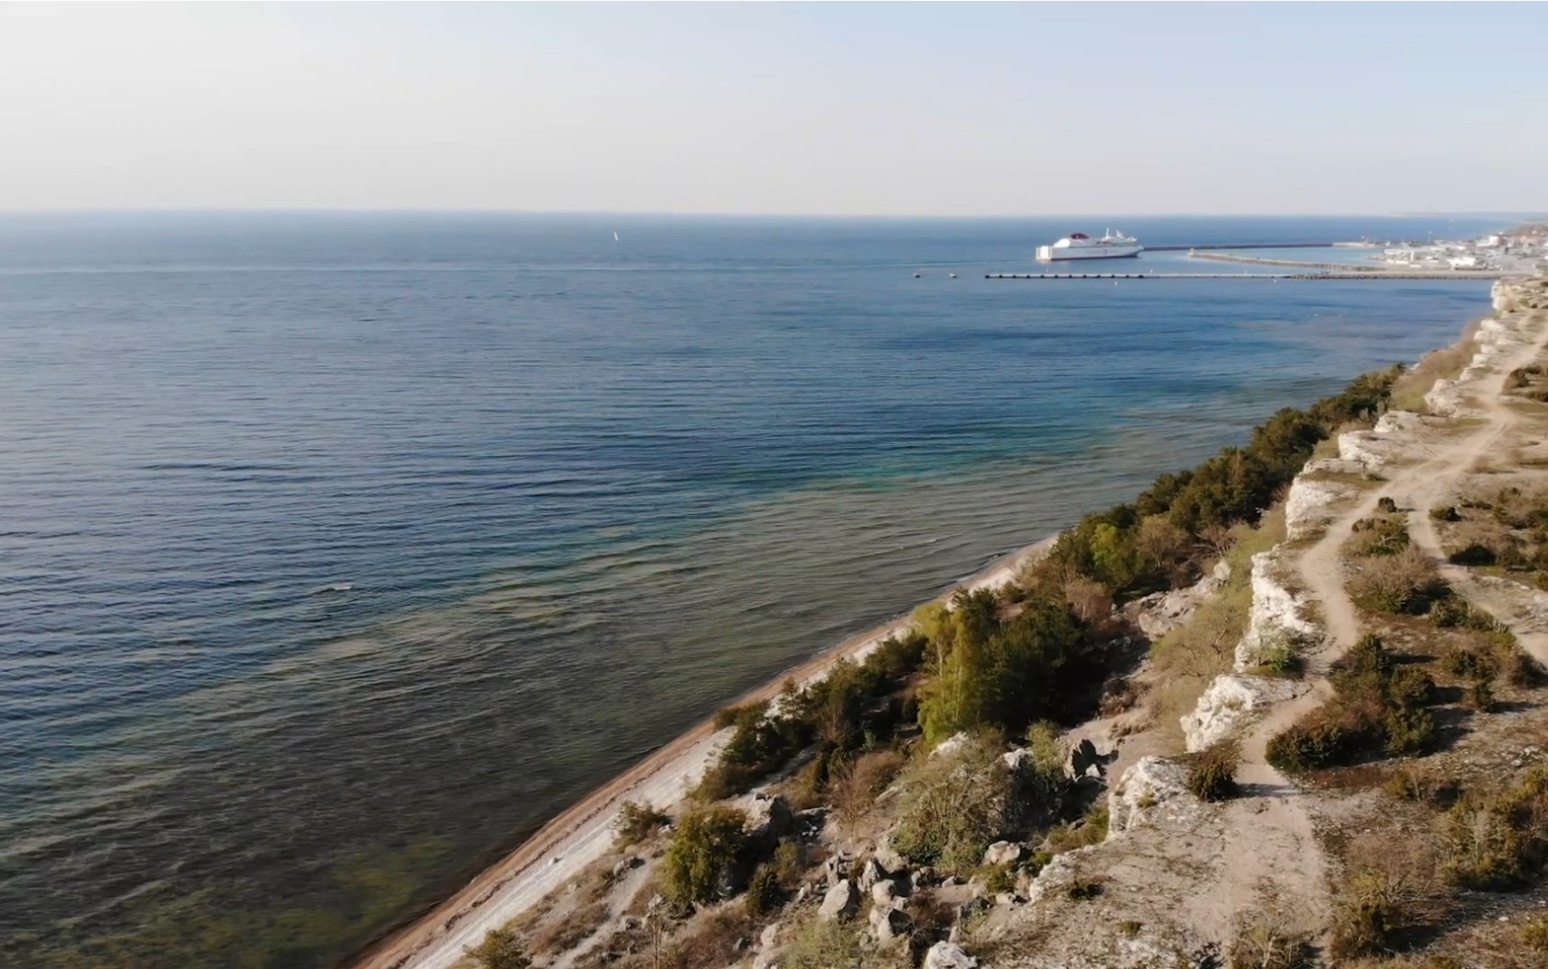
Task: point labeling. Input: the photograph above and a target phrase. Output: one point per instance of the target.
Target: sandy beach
(563, 847)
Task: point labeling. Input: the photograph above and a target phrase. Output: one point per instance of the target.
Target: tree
(501, 949)
(705, 854)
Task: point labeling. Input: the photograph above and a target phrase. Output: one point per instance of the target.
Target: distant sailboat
(615, 237)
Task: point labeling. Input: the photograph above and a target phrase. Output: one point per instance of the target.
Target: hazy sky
(870, 108)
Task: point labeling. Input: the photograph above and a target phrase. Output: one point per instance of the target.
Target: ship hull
(1056, 254)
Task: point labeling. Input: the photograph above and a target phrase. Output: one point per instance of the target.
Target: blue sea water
(339, 551)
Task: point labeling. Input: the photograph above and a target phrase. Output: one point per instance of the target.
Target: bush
(501, 949)
(823, 944)
(1004, 674)
(637, 821)
(763, 891)
(1499, 840)
(1524, 671)
(1260, 945)
(1447, 514)
(1378, 706)
(857, 783)
(1089, 830)
(1212, 773)
(1403, 583)
(1480, 697)
(954, 806)
(1380, 536)
(1282, 661)
(705, 855)
(1367, 917)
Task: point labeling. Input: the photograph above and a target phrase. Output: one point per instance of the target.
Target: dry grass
(853, 791)
(566, 933)
(1185, 660)
(1444, 364)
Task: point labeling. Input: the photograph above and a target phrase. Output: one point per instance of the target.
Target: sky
(844, 109)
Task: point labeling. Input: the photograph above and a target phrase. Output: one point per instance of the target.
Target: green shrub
(637, 821)
(1480, 696)
(1089, 830)
(1380, 536)
(952, 807)
(1005, 674)
(1498, 839)
(1212, 773)
(1367, 918)
(501, 949)
(763, 891)
(1409, 732)
(1129, 928)
(998, 878)
(1378, 706)
(823, 944)
(1281, 661)
(704, 855)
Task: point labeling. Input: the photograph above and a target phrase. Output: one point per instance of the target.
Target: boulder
(952, 745)
(870, 873)
(1153, 785)
(888, 924)
(842, 900)
(884, 891)
(769, 934)
(948, 955)
(1004, 853)
(887, 856)
(769, 817)
(1309, 502)
(626, 865)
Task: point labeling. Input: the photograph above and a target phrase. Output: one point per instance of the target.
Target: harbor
(1321, 276)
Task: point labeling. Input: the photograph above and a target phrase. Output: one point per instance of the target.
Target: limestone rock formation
(1231, 701)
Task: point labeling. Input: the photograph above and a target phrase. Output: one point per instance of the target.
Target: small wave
(335, 587)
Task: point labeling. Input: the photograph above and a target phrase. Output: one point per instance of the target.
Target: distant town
(1523, 250)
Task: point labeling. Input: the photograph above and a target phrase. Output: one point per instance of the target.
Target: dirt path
(1285, 843)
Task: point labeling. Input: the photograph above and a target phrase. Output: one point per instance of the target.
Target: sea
(339, 551)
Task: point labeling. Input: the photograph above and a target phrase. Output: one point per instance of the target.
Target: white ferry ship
(1078, 245)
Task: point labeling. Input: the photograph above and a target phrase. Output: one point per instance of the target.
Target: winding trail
(1285, 841)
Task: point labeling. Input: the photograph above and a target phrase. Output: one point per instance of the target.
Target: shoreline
(579, 834)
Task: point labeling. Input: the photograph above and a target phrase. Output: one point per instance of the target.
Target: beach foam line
(579, 835)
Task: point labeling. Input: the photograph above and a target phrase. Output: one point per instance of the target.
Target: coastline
(581, 833)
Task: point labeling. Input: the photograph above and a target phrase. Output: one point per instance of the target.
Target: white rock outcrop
(842, 899)
(1154, 788)
(1308, 506)
(1277, 617)
(1161, 612)
(1231, 701)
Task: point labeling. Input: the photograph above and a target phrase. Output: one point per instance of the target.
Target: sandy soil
(563, 847)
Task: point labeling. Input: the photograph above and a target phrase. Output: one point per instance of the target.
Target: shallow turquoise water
(336, 552)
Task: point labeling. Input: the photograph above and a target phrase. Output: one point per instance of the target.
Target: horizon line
(679, 214)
